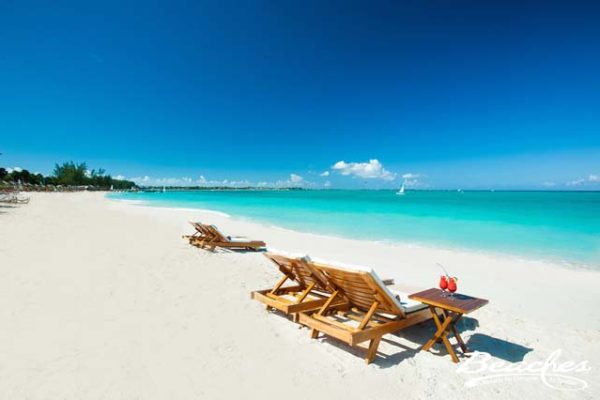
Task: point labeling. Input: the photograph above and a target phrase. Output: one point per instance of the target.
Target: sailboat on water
(400, 192)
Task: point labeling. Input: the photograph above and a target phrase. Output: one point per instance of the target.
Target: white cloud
(120, 178)
(296, 179)
(410, 175)
(188, 181)
(411, 179)
(327, 184)
(14, 169)
(576, 182)
(591, 179)
(173, 181)
(325, 173)
(243, 182)
(368, 170)
(549, 184)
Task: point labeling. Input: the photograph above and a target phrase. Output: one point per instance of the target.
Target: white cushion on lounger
(238, 239)
(333, 263)
(285, 253)
(405, 304)
(219, 231)
(401, 304)
(231, 238)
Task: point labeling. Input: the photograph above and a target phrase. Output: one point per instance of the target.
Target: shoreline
(480, 274)
(504, 255)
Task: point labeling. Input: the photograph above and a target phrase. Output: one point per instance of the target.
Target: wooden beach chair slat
(201, 236)
(310, 292)
(373, 310)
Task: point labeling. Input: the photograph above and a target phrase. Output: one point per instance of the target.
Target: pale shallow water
(555, 226)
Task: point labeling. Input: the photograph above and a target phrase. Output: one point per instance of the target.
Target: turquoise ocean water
(555, 226)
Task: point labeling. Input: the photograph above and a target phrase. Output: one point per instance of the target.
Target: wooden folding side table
(452, 308)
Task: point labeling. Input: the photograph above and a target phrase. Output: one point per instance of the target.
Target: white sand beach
(101, 299)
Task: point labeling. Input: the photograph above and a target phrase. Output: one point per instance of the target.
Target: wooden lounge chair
(373, 310)
(214, 238)
(309, 292)
(202, 234)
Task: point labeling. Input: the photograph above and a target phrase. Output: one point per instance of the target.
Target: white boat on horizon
(401, 191)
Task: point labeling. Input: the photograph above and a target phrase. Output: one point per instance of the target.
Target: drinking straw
(444, 269)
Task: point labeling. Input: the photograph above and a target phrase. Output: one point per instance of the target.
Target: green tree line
(67, 174)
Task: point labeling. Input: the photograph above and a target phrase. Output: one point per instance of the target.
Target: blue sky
(440, 94)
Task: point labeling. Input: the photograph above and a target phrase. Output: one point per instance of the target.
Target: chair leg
(372, 352)
(314, 333)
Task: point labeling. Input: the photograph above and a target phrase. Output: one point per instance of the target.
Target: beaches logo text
(551, 372)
